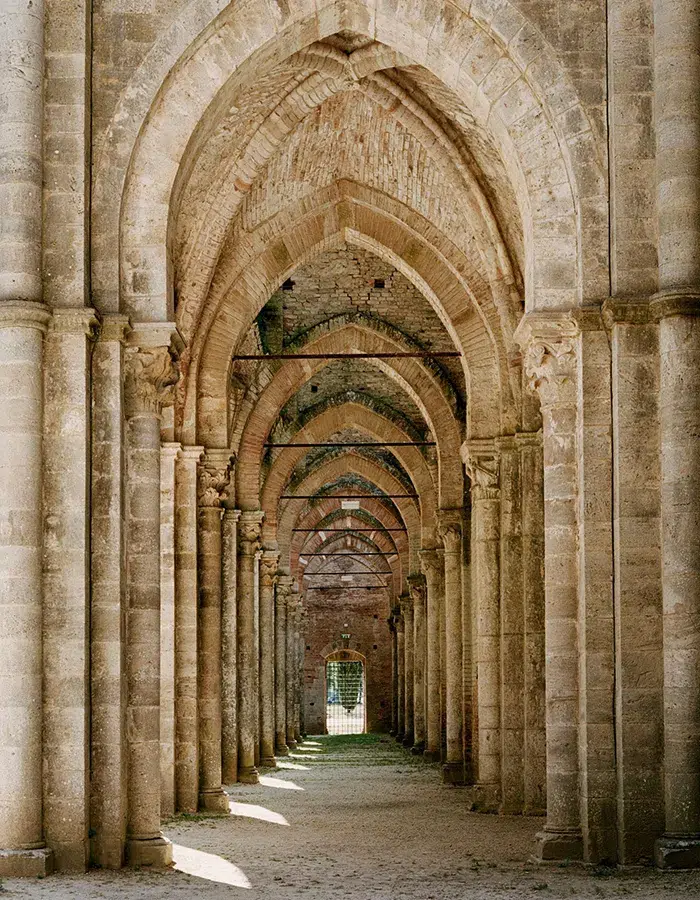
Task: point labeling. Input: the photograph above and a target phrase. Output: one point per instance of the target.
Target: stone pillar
(450, 526)
(482, 461)
(213, 479)
(407, 609)
(268, 578)
(394, 675)
(283, 592)
(109, 601)
(416, 585)
(551, 364)
(249, 530)
(532, 517)
(186, 615)
(299, 622)
(229, 645)
(66, 609)
(149, 376)
(401, 679)
(433, 567)
(292, 611)
(22, 326)
(443, 667)
(21, 146)
(679, 416)
(168, 457)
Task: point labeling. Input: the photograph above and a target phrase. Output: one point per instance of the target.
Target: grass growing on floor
(349, 749)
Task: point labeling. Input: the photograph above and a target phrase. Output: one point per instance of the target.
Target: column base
(418, 749)
(248, 775)
(682, 852)
(291, 743)
(484, 798)
(432, 756)
(268, 762)
(157, 852)
(399, 737)
(26, 863)
(214, 801)
(408, 739)
(557, 846)
(453, 773)
(281, 750)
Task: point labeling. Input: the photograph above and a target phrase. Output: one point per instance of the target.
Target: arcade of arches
(363, 325)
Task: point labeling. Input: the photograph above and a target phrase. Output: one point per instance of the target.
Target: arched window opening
(345, 693)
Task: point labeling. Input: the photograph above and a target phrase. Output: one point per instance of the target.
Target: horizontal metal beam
(311, 444)
(344, 530)
(364, 574)
(355, 553)
(349, 496)
(351, 587)
(412, 354)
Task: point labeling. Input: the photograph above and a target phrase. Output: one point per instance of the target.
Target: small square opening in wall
(350, 504)
(374, 646)
(314, 389)
(379, 284)
(376, 616)
(288, 285)
(308, 647)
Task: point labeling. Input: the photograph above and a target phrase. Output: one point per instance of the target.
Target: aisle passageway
(359, 818)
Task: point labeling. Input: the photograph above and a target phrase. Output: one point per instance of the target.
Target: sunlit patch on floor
(208, 866)
(271, 781)
(251, 811)
(291, 765)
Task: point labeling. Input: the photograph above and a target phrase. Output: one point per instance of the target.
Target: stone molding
(549, 345)
(150, 376)
(78, 320)
(171, 448)
(675, 303)
(250, 531)
(482, 461)
(622, 311)
(114, 327)
(528, 439)
(450, 524)
(192, 453)
(24, 314)
(432, 561)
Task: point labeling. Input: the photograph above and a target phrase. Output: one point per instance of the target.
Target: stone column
(299, 623)
(551, 364)
(482, 461)
(443, 667)
(168, 457)
(66, 619)
(108, 605)
(292, 611)
(186, 615)
(229, 645)
(268, 578)
(249, 530)
(401, 679)
(532, 517)
(394, 675)
(679, 416)
(213, 479)
(21, 146)
(433, 567)
(407, 609)
(450, 526)
(416, 585)
(283, 591)
(22, 326)
(149, 376)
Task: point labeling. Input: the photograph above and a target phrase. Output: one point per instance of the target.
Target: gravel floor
(358, 819)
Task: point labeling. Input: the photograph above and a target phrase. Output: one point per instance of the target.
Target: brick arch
(239, 293)
(375, 475)
(358, 543)
(330, 422)
(181, 87)
(418, 382)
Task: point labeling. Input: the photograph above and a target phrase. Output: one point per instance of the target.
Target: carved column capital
(482, 462)
(417, 588)
(431, 562)
(113, 327)
(450, 523)
(675, 303)
(75, 320)
(249, 531)
(213, 476)
(549, 344)
(150, 376)
(283, 590)
(268, 567)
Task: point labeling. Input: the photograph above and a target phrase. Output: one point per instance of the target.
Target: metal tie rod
(354, 444)
(411, 354)
(349, 497)
(355, 553)
(344, 530)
